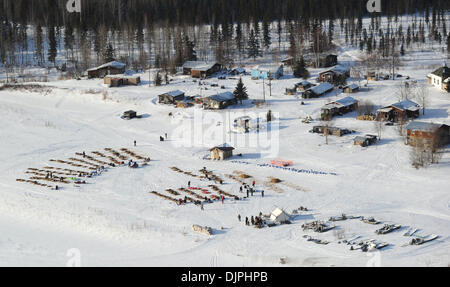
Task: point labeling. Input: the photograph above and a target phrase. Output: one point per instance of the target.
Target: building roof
(423, 126)
(272, 68)
(322, 88)
(385, 110)
(443, 71)
(121, 76)
(199, 65)
(113, 64)
(223, 97)
(346, 102)
(175, 94)
(360, 139)
(352, 86)
(224, 147)
(337, 69)
(406, 105)
(303, 83)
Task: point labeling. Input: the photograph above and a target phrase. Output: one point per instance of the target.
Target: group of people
(250, 190)
(254, 220)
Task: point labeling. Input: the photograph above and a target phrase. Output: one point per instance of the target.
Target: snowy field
(114, 221)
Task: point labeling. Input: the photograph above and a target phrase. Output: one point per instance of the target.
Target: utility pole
(264, 89)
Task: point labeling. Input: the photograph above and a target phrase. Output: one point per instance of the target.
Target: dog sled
(202, 229)
(370, 220)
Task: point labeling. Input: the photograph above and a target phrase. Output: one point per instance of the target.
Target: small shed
(111, 68)
(171, 98)
(221, 152)
(279, 216)
(128, 115)
(288, 61)
(351, 89)
(121, 80)
(303, 86)
(365, 141)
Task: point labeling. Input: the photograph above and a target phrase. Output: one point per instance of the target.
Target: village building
(237, 71)
(440, 77)
(339, 132)
(121, 80)
(372, 76)
(171, 98)
(318, 91)
(219, 101)
(427, 134)
(400, 111)
(288, 61)
(332, 74)
(279, 216)
(365, 141)
(267, 72)
(351, 89)
(201, 70)
(111, 68)
(128, 115)
(339, 107)
(221, 152)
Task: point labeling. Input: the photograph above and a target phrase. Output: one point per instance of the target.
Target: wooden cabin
(427, 134)
(400, 111)
(318, 91)
(219, 101)
(171, 98)
(339, 107)
(221, 152)
(351, 89)
(128, 115)
(111, 68)
(201, 70)
(331, 131)
(333, 74)
(121, 80)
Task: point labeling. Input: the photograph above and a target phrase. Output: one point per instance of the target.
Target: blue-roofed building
(427, 134)
(400, 111)
(267, 72)
(171, 97)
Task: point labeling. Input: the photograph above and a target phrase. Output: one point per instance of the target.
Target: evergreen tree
(253, 46)
(269, 116)
(266, 35)
(448, 44)
(241, 91)
(109, 54)
(52, 50)
(300, 70)
(402, 50)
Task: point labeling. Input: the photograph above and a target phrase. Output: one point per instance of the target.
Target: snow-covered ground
(114, 221)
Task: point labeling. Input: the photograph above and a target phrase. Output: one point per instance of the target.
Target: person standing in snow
(246, 221)
(247, 193)
(222, 198)
(252, 220)
(134, 143)
(262, 193)
(165, 135)
(189, 183)
(201, 206)
(239, 217)
(240, 189)
(253, 183)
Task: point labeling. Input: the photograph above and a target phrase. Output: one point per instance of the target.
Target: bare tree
(379, 127)
(423, 96)
(404, 91)
(365, 108)
(401, 125)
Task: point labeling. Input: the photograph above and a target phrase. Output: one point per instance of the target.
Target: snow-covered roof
(120, 76)
(113, 64)
(347, 101)
(199, 65)
(279, 215)
(224, 147)
(223, 97)
(385, 110)
(442, 71)
(303, 83)
(322, 88)
(352, 86)
(447, 80)
(239, 70)
(423, 126)
(406, 105)
(176, 93)
(272, 68)
(338, 69)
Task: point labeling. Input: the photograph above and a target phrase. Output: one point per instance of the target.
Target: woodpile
(366, 118)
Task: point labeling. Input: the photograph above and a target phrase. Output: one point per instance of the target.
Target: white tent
(278, 215)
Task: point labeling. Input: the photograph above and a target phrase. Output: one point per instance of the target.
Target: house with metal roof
(170, 98)
(219, 101)
(440, 77)
(318, 91)
(222, 152)
(332, 74)
(351, 89)
(427, 134)
(402, 110)
(111, 68)
(200, 69)
(339, 107)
